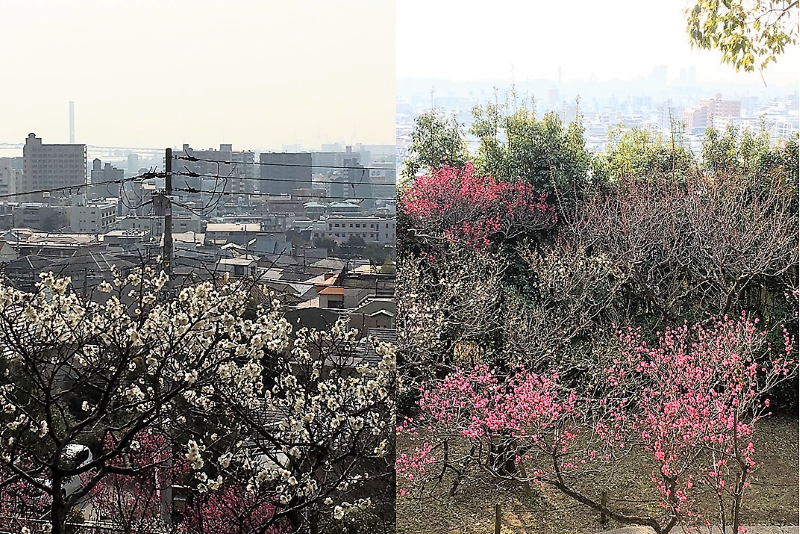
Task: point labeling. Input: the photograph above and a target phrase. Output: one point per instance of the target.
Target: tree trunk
(58, 511)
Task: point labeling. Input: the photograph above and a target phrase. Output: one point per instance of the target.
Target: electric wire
(278, 164)
(144, 176)
(192, 174)
(228, 193)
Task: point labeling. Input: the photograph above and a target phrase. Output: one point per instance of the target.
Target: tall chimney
(72, 123)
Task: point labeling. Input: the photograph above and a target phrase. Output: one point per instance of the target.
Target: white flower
(225, 460)
(85, 406)
(338, 512)
(215, 484)
(194, 455)
(328, 501)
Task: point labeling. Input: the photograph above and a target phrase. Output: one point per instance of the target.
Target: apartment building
(9, 176)
(51, 166)
(93, 216)
(710, 109)
(371, 229)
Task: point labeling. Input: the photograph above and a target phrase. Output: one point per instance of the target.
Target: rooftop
(233, 227)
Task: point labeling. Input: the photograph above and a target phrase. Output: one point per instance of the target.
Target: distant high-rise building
(568, 113)
(246, 174)
(51, 166)
(106, 180)
(219, 168)
(695, 118)
(353, 183)
(8, 178)
(718, 108)
(133, 163)
(328, 162)
(282, 172)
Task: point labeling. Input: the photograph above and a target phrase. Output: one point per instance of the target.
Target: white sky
(157, 73)
(479, 40)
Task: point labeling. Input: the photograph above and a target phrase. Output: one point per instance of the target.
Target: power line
(264, 163)
(272, 195)
(145, 176)
(258, 179)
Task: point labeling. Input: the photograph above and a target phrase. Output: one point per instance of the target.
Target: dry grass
(772, 499)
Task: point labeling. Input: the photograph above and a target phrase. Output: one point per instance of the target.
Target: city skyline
(269, 74)
(609, 40)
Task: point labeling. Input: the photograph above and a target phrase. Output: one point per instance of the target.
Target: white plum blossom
(292, 424)
(194, 455)
(225, 460)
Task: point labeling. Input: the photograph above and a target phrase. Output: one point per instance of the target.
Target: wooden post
(603, 503)
(498, 513)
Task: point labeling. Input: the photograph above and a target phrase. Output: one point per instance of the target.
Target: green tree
(436, 141)
(514, 144)
(749, 153)
(749, 35)
(326, 242)
(642, 154)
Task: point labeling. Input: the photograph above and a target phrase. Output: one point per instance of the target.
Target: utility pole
(168, 216)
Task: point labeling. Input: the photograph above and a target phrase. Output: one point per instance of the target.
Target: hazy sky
(153, 73)
(475, 40)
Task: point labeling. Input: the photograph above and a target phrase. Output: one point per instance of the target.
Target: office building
(283, 172)
(106, 180)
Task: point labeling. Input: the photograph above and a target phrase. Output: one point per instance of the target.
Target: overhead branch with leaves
(748, 34)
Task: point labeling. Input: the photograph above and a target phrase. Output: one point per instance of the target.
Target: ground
(771, 500)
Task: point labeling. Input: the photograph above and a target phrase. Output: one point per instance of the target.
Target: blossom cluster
(471, 209)
(689, 402)
(250, 403)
